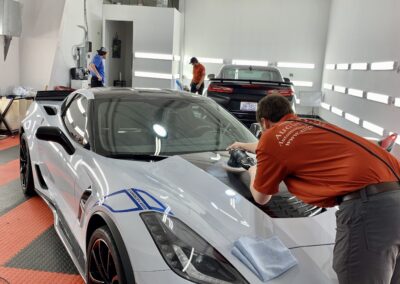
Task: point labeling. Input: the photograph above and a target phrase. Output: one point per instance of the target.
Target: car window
(251, 74)
(165, 126)
(75, 119)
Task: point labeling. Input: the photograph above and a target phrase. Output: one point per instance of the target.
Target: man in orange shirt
(325, 165)
(199, 74)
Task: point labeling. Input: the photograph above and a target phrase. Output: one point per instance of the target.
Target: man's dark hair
(194, 60)
(273, 108)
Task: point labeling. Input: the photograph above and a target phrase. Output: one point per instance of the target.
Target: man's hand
(198, 86)
(259, 197)
(248, 147)
(236, 145)
(99, 78)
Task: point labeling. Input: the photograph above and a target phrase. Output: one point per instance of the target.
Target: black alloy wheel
(25, 167)
(104, 264)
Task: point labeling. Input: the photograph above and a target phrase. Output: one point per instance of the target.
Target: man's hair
(273, 108)
(194, 60)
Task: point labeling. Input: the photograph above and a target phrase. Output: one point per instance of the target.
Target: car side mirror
(256, 129)
(287, 80)
(54, 134)
(211, 76)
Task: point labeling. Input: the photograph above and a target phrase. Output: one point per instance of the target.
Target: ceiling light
(296, 65)
(153, 75)
(378, 98)
(337, 111)
(359, 66)
(148, 55)
(373, 127)
(177, 58)
(397, 102)
(328, 86)
(387, 65)
(325, 106)
(355, 92)
(352, 118)
(249, 62)
(330, 66)
(339, 89)
(302, 83)
(210, 60)
(342, 66)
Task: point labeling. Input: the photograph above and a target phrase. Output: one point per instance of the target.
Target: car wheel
(104, 263)
(25, 167)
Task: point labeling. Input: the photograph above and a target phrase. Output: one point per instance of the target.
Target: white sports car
(138, 184)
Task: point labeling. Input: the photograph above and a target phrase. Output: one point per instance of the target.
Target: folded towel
(267, 258)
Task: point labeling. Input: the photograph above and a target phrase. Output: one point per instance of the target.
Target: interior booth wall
(119, 65)
(153, 33)
(9, 69)
(363, 31)
(266, 30)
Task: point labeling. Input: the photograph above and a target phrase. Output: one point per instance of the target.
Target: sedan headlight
(189, 255)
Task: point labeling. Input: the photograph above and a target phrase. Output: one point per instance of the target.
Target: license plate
(248, 106)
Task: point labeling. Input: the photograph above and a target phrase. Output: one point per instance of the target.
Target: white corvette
(137, 182)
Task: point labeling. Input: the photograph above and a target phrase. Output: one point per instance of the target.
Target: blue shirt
(98, 62)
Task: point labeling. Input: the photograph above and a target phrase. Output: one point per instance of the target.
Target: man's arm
(259, 197)
(248, 147)
(203, 76)
(93, 68)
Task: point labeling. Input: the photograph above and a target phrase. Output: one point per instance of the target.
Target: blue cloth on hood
(267, 258)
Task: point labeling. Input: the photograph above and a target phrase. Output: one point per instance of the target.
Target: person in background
(199, 74)
(96, 68)
(326, 166)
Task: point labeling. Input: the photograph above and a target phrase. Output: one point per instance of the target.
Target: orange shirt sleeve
(270, 173)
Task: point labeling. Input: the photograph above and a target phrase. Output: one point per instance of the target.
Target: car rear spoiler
(251, 81)
(52, 95)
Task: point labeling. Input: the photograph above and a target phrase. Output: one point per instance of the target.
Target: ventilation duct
(10, 22)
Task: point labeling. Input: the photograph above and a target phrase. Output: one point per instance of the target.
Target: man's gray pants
(367, 248)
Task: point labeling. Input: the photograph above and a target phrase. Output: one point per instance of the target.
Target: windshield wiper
(137, 157)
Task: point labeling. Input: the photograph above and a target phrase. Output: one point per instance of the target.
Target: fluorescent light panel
(249, 62)
(210, 60)
(153, 75)
(378, 98)
(355, 93)
(373, 127)
(352, 118)
(330, 66)
(339, 89)
(296, 65)
(303, 83)
(326, 106)
(328, 86)
(148, 55)
(359, 66)
(177, 58)
(298, 101)
(342, 66)
(386, 65)
(337, 111)
(397, 102)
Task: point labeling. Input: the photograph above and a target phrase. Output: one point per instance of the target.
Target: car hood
(193, 189)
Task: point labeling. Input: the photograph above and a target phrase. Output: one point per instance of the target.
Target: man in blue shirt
(96, 68)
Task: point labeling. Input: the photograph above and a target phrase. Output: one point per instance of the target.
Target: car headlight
(189, 255)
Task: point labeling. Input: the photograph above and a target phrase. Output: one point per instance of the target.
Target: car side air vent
(82, 203)
(50, 110)
(42, 183)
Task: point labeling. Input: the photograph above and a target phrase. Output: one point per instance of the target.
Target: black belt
(371, 189)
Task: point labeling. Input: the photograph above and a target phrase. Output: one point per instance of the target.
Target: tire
(25, 168)
(100, 268)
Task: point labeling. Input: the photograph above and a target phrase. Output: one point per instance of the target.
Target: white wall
(9, 69)
(363, 31)
(271, 30)
(38, 43)
(153, 33)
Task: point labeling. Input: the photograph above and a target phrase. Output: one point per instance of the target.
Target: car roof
(112, 93)
(270, 68)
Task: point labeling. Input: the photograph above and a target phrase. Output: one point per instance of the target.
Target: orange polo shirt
(317, 165)
(198, 72)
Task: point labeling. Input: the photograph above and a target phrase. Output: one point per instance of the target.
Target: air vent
(50, 110)
(42, 183)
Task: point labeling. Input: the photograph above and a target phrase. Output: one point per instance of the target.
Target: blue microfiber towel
(267, 258)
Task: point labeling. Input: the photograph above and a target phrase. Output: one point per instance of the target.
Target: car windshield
(164, 126)
(250, 73)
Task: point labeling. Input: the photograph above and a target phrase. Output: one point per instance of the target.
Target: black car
(238, 88)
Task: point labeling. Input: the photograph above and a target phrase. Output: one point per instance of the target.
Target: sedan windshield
(164, 126)
(250, 73)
